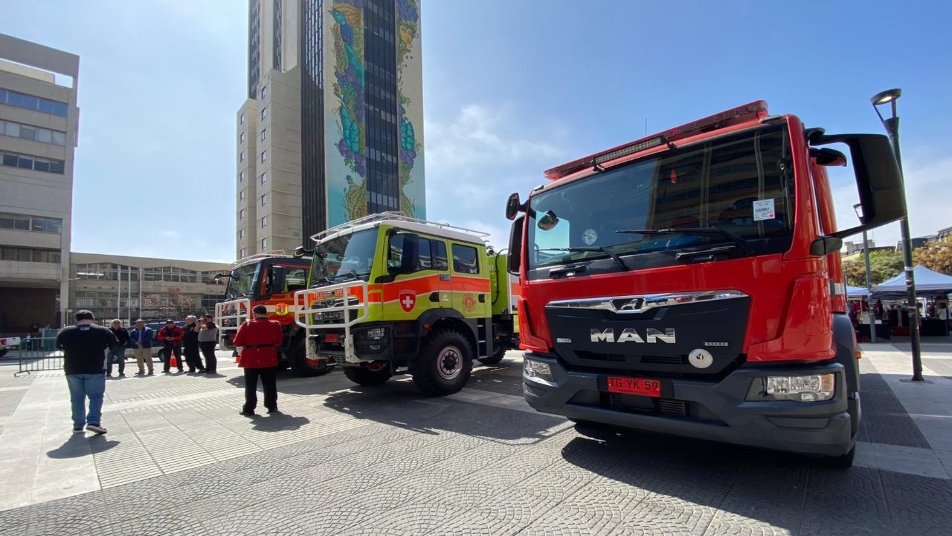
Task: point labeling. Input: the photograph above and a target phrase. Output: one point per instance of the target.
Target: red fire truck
(690, 283)
(268, 279)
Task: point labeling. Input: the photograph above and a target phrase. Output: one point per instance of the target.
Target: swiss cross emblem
(407, 300)
(281, 309)
(469, 303)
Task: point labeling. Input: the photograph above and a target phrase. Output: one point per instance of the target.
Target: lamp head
(885, 97)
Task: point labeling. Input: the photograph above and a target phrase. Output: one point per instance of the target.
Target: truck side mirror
(512, 206)
(513, 263)
(411, 253)
(300, 252)
(878, 179)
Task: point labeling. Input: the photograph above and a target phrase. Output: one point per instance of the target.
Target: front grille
(667, 407)
(622, 358)
(611, 358)
(663, 359)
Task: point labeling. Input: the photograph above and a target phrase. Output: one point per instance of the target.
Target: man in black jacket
(118, 354)
(84, 349)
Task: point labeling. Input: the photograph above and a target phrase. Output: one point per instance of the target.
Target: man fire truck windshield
(348, 256)
(742, 184)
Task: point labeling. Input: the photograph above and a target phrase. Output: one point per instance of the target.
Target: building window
(241, 138)
(28, 132)
(264, 244)
(264, 199)
(264, 222)
(241, 234)
(22, 222)
(264, 155)
(241, 177)
(241, 195)
(264, 134)
(264, 113)
(241, 120)
(241, 253)
(11, 253)
(241, 214)
(32, 162)
(264, 88)
(36, 104)
(264, 177)
(241, 157)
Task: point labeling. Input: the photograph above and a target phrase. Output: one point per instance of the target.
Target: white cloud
(928, 172)
(477, 158)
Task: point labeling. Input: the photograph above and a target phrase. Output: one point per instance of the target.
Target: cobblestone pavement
(178, 459)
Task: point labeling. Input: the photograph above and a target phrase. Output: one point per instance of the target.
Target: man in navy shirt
(84, 349)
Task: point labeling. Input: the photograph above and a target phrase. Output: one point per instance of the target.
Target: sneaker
(96, 428)
(123, 374)
(77, 430)
(275, 410)
(151, 373)
(247, 413)
(140, 373)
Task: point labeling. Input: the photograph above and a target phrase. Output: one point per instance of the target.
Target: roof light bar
(748, 112)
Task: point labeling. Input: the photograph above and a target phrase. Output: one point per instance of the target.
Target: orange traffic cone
(173, 362)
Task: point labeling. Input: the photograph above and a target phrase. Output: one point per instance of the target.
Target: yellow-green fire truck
(388, 294)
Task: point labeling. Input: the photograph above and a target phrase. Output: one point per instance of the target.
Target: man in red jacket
(171, 338)
(259, 340)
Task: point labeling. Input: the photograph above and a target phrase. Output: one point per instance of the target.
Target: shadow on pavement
(278, 422)
(804, 496)
(78, 445)
(401, 404)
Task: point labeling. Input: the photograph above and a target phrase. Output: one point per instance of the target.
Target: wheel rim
(449, 363)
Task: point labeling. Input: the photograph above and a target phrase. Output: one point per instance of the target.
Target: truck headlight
(537, 369)
(813, 388)
(376, 333)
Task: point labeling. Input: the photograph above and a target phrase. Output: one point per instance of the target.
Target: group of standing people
(89, 351)
(198, 339)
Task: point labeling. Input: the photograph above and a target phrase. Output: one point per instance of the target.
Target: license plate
(332, 337)
(634, 386)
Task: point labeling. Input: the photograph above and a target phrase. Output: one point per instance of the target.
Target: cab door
(470, 282)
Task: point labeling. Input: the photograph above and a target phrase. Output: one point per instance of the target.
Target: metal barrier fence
(37, 355)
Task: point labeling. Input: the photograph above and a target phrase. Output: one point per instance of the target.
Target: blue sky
(510, 88)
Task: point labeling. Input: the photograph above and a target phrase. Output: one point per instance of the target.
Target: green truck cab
(388, 294)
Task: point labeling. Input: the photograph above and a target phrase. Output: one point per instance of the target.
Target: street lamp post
(892, 128)
(869, 284)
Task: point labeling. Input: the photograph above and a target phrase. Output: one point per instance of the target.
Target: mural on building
(346, 154)
(411, 146)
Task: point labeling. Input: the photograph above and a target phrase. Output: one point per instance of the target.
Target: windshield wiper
(604, 249)
(702, 231)
(322, 282)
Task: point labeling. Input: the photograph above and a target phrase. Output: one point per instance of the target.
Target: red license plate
(634, 386)
(332, 337)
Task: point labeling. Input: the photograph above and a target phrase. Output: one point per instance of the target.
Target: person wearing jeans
(84, 349)
(119, 353)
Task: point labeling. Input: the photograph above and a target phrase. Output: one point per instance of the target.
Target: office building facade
(127, 288)
(39, 122)
(335, 93)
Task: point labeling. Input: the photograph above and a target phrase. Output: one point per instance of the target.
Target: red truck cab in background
(690, 283)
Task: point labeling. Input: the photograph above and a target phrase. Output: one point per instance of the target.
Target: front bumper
(709, 410)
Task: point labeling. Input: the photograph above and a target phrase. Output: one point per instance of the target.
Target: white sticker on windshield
(764, 210)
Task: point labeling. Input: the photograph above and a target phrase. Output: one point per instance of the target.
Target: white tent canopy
(928, 284)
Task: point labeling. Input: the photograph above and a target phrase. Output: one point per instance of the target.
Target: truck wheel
(370, 375)
(301, 365)
(499, 352)
(444, 364)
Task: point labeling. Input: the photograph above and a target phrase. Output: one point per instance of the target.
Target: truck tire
(444, 364)
(844, 461)
(301, 365)
(499, 352)
(367, 376)
(846, 356)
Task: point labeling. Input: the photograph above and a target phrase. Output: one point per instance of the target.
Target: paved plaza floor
(341, 459)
